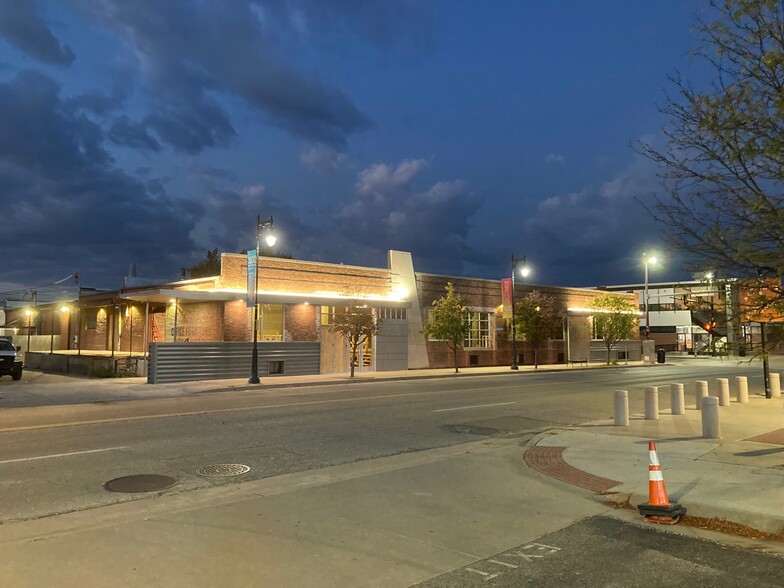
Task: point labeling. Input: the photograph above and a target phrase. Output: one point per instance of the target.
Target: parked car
(10, 360)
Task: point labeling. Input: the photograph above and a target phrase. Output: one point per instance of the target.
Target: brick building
(296, 300)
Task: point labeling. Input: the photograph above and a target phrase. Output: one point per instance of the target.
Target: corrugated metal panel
(631, 347)
(182, 362)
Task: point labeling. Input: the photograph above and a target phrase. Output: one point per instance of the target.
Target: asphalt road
(60, 462)
(603, 551)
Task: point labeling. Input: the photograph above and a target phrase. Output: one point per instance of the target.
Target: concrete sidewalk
(42, 389)
(739, 477)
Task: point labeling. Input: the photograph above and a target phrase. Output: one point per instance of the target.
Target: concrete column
(711, 428)
(775, 385)
(742, 388)
(700, 392)
(676, 399)
(652, 403)
(723, 385)
(621, 408)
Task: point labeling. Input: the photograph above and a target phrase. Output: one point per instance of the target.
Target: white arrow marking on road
(59, 455)
(474, 406)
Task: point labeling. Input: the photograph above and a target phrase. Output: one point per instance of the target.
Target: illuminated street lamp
(268, 228)
(28, 314)
(646, 259)
(524, 272)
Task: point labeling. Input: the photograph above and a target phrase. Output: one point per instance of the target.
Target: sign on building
(506, 295)
(250, 299)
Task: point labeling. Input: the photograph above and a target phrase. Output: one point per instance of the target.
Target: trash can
(742, 351)
(660, 356)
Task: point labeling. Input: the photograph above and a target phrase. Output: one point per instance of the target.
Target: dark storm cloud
(22, 26)
(596, 235)
(192, 52)
(130, 134)
(101, 103)
(66, 205)
(376, 22)
(390, 213)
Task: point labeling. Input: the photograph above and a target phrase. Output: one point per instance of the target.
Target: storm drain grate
(223, 470)
(140, 483)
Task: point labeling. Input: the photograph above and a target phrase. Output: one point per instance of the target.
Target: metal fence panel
(182, 362)
(627, 350)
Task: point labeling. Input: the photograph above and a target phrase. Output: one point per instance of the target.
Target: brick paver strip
(550, 461)
(775, 437)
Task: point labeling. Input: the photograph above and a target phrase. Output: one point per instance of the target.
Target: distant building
(694, 316)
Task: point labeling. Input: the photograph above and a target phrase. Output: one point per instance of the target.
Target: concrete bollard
(742, 388)
(700, 392)
(652, 403)
(775, 385)
(723, 385)
(676, 399)
(711, 428)
(621, 408)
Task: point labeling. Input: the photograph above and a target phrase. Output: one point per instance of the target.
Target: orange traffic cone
(658, 508)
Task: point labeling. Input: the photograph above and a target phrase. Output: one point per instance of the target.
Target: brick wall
(132, 328)
(290, 275)
(300, 322)
(97, 338)
(486, 295)
(236, 321)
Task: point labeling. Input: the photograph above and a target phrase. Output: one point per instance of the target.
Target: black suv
(10, 360)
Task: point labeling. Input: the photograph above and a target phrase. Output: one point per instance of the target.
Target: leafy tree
(536, 318)
(449, 321)
(355, 324)
(614, 320)
(209, 266)
(723, 166)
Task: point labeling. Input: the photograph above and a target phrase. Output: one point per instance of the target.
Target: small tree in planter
(536, 319)
(449, 321)
(355, 325)
(614, 321)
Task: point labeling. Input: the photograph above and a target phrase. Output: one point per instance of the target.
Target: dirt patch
(712, 524)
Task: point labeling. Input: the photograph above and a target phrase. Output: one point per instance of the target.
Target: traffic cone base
(658, 508)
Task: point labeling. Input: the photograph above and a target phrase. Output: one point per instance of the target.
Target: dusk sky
(149, 131)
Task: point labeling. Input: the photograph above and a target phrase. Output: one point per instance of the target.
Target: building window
(91, 320)
(392, 313)
(328, 314)
(479, 334)
(271, 322)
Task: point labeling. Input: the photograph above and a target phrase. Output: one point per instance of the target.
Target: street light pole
(646, 260)
(270, 240)
(524, 272)
(29, 313)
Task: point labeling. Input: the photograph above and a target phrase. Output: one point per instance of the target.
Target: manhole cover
(223, 470)
(471, 430)
(140, 483)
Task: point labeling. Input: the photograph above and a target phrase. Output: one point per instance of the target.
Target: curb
(350, 381)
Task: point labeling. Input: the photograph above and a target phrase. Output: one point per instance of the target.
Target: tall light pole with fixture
(28, 314)
(646, 260)
(268, 227)
(524, 271)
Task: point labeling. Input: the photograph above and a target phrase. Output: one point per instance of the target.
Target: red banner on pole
(506, 295)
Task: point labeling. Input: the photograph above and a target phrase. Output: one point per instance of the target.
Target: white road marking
(503, 563)
(59, 455)
(487, 575)
(474, 406)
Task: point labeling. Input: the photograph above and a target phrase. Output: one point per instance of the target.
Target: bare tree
(723, 165)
